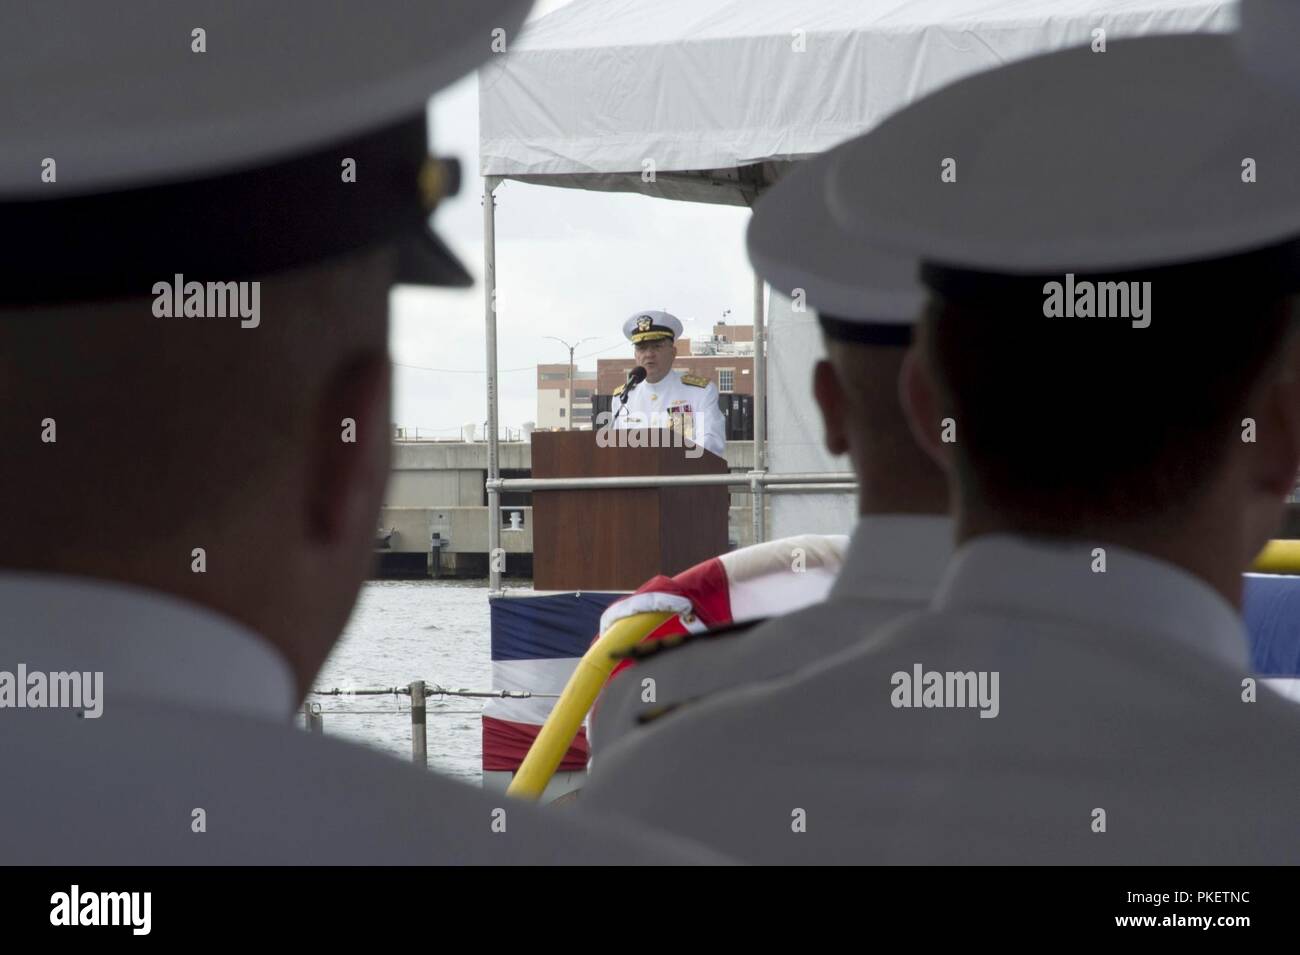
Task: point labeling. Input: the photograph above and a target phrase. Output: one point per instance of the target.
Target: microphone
(634, 378)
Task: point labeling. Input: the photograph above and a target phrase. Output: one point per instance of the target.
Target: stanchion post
(419, 748)
(315, 721)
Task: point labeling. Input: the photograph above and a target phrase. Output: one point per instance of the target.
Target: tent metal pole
(495, 554)
(757, 497)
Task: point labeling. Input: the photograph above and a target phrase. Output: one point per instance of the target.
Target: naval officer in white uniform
(194, 407)
(867, 304)
(1079, 691)
(687, 404)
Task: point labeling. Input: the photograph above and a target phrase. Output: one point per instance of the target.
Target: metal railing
(419, 691)
(824, 482)
(758, 481)
(404, 435)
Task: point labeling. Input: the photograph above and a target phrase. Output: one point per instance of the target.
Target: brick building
(553, 397)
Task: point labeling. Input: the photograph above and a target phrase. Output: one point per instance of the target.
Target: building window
(555, 376)
(726, 379)
(562, 390)
(561, 412)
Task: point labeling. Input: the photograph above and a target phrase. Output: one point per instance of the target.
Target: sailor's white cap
(1160, 151)
(118, 94)
(210, 135)
(795, 243)
(651, 326)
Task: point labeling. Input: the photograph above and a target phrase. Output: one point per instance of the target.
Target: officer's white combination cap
(652, 326)
(801, 250)
(1166, 153)
(215, 133)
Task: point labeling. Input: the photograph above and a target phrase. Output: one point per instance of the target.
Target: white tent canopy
(717, 97)
(719, 93)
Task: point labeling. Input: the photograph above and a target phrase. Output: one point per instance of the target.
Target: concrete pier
(434, 519)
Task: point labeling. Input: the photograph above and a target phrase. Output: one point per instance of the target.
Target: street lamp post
(568, 425)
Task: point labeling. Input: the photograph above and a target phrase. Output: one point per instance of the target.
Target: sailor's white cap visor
(795, 243)
(652, 325)
(125, 115)
(1161, 151)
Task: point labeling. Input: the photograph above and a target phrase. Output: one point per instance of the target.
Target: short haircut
(1063, 424)
(869, 375)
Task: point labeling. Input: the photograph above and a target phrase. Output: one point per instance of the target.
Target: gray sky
(570, 263)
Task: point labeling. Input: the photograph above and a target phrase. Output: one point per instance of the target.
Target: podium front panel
(618, 538)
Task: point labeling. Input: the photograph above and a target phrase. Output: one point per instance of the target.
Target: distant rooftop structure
(715, 346)
(726, 340)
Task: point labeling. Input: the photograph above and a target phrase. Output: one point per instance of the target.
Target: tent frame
(759, 480)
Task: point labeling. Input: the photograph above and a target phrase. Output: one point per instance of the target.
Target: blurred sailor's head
(194, 378)
(867, 302)
(1109, 348)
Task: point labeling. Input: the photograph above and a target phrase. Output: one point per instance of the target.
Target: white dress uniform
(686, 404)
(195, 733)
(1041, 711)
(1119, 692)
(892, 568)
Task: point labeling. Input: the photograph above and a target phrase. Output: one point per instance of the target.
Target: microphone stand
(622, 406)
(623, 397)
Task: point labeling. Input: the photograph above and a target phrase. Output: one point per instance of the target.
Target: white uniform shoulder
(269, 795)
(700, 667)
(192, 760)
(842, 741)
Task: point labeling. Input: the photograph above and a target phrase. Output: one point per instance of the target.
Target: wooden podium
(618, 538)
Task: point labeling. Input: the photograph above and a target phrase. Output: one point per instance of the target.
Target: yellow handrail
(548, 749)
(1279, 557)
